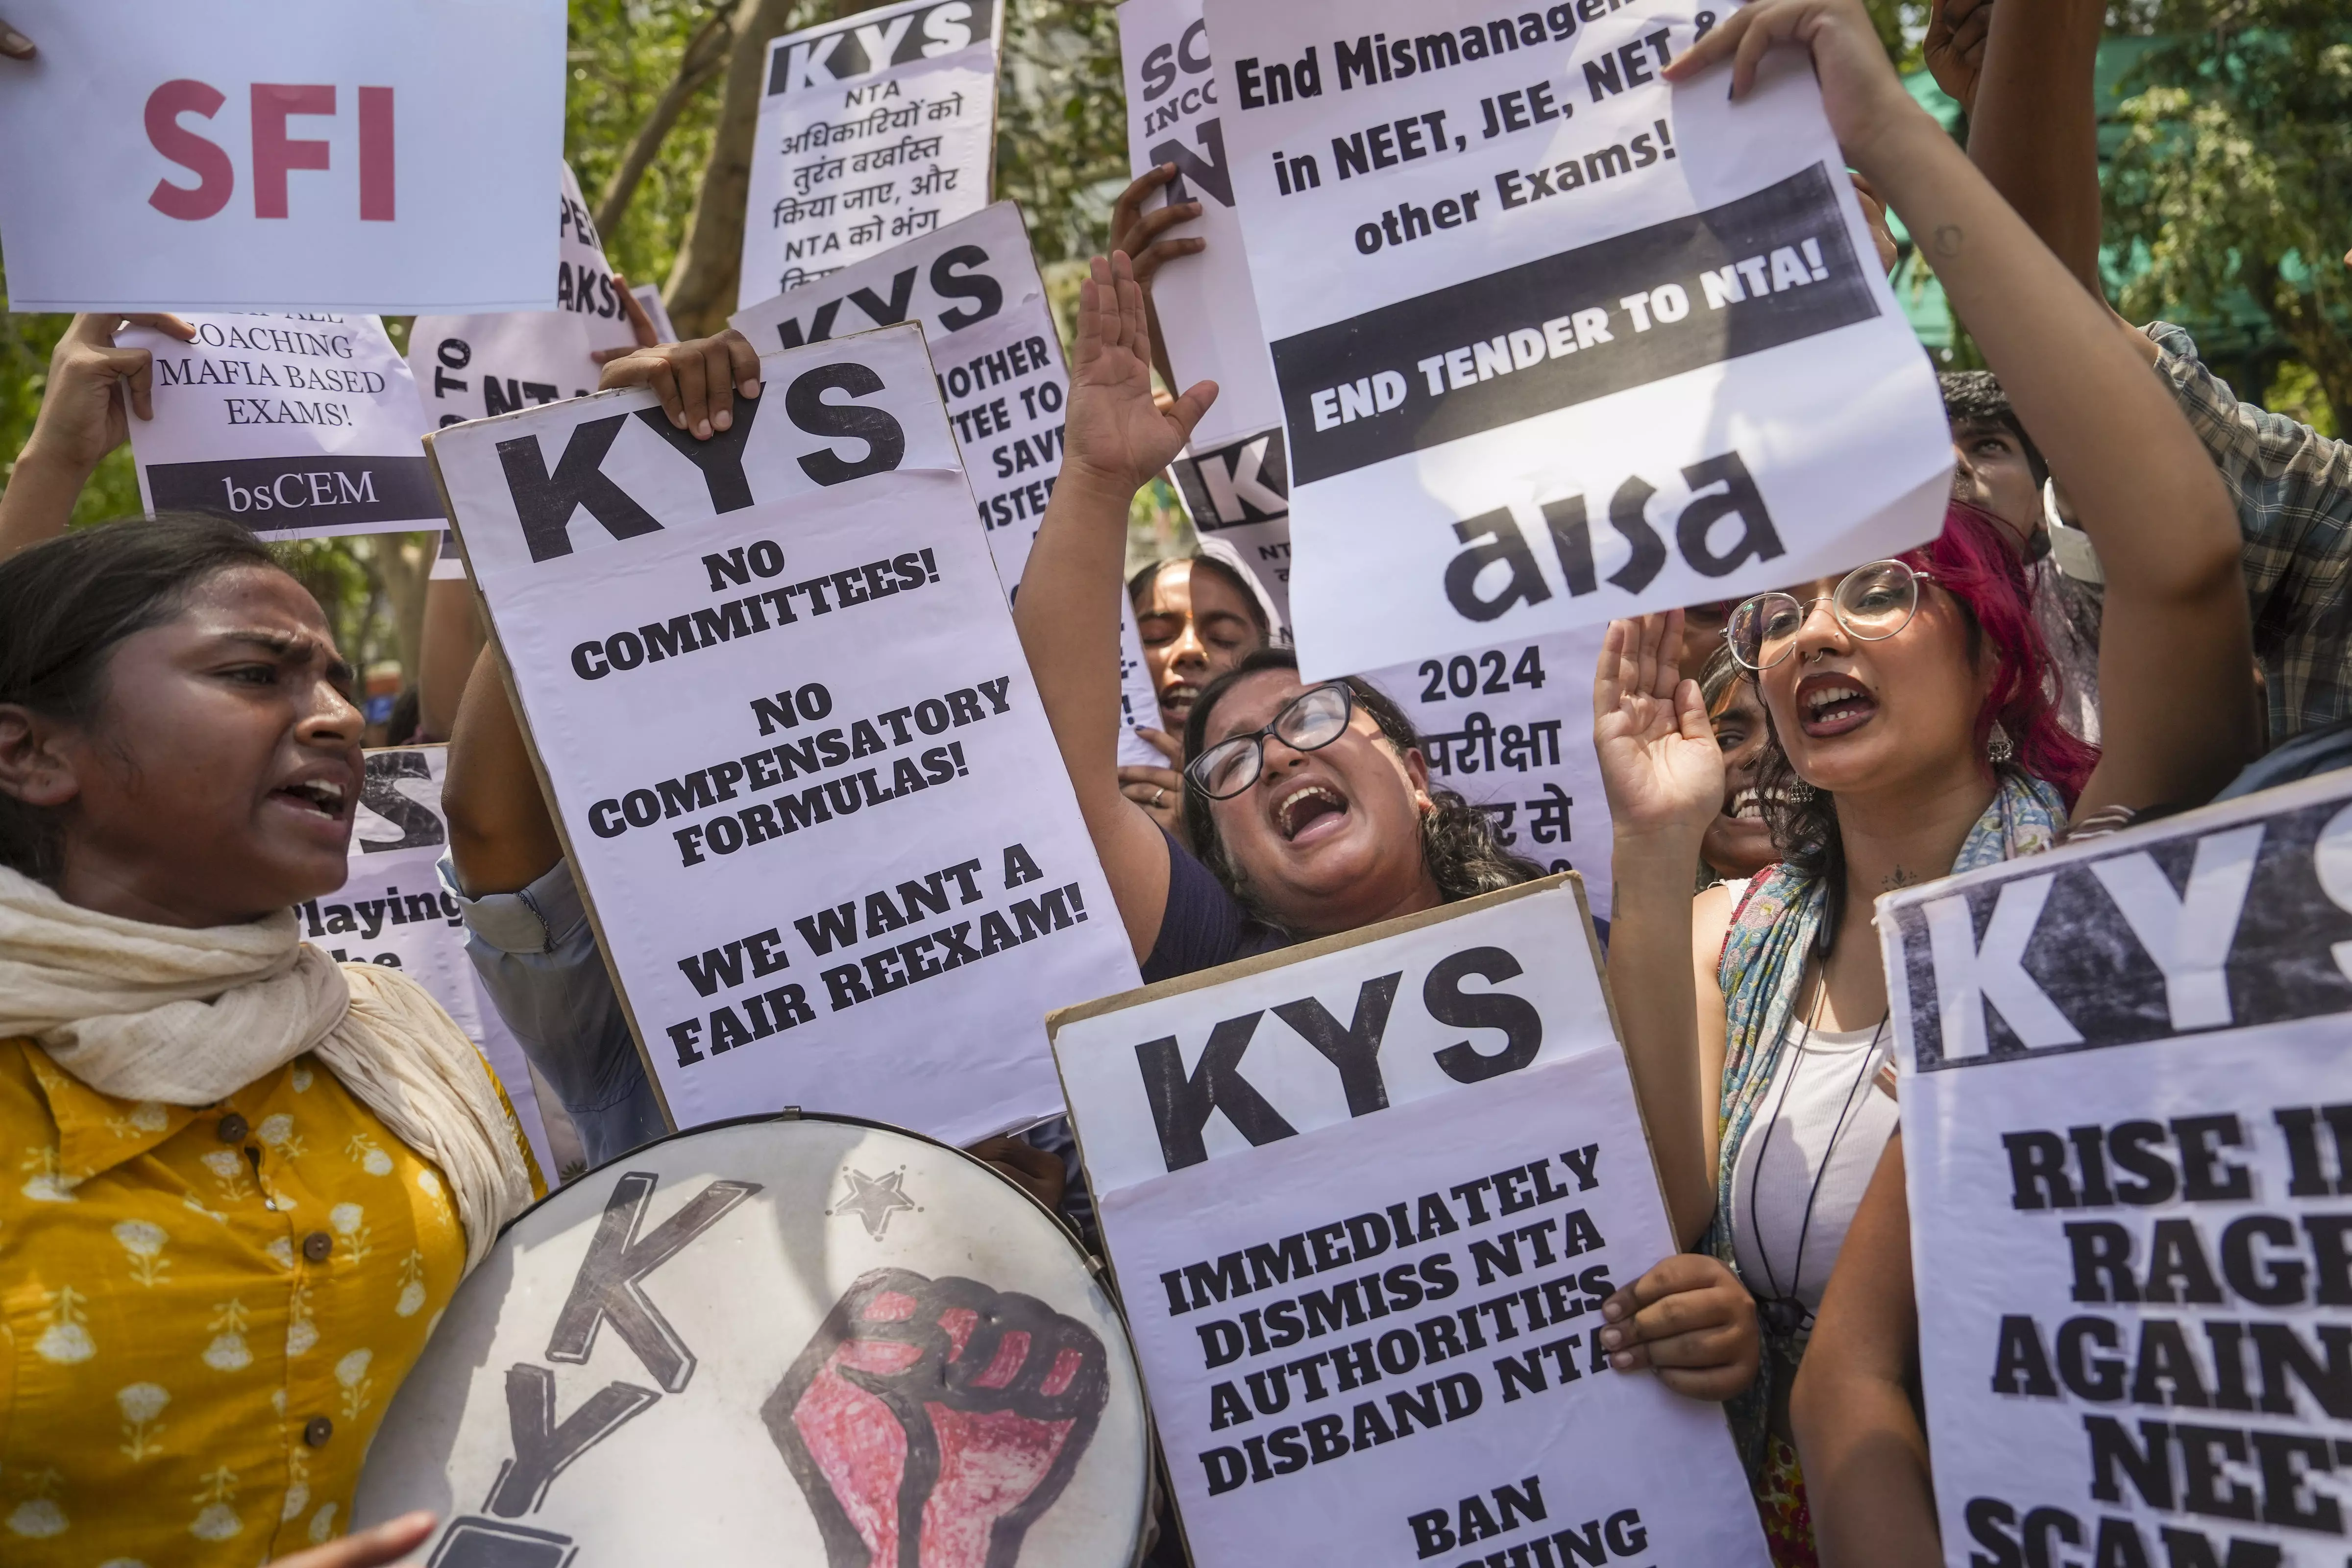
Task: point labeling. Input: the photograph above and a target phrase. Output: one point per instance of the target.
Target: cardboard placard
(974, 289)
(1239, 491)
(1207, 315)
(1507, 729)
(299, 427)
(281, 155)
(393, 910)
(875, 130)
(470, 367)
(796, 756)
(2128, 1137)
(1366, 1196)
(1556, 342)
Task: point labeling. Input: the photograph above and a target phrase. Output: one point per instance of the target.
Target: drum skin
(793, 1341)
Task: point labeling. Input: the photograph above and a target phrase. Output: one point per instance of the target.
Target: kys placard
(974, 289)
(1367, 1196)
(795, 750)
(2128, 1137)
(1555, 342)
(874, 131)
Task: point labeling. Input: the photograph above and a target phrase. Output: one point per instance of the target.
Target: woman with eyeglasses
(1910, 702)
(1311, 806)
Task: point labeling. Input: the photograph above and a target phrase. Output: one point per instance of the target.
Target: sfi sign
(268, 154)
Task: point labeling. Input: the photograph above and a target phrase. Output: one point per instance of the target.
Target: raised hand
(94, 388)
(1116, 434)
(1659, 763)
(1144, 235)
(931, 1422)
(1860, 91)
(1955, 46)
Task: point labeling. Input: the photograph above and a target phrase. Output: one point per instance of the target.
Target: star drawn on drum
(874, 1199)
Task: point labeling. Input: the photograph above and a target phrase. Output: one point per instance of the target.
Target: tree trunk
(700, 292)
(705, 55)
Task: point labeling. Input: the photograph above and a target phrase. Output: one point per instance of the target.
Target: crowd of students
(2136, 604)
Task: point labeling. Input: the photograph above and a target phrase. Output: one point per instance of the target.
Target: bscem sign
(1557, 343)
(776, 693)
(281, 155)
(298, 426)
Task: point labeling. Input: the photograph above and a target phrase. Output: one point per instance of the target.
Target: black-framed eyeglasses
(1873, 603)
(1307, 722)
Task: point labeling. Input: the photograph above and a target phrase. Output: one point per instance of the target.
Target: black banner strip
(1767, 306)
(318, 491)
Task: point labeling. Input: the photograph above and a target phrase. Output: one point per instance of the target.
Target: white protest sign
(281, 155)
(399, 834)
(448, 560)
(1367, 1196)
(1508, 728)
(470, 367)
(1489, 729)
(795, 753)
(974, 288)
(1557, 343)
(2127, 1134)
(299, 427)
(1207, 315)
(875, 130)
(1239, 491)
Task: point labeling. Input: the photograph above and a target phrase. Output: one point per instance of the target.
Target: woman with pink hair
(1910, 702)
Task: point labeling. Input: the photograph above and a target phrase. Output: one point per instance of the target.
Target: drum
(789, 1340)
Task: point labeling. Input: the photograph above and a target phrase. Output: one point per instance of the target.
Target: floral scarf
(1765, 956)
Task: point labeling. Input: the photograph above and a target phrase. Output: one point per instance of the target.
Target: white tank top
(1822, 1079)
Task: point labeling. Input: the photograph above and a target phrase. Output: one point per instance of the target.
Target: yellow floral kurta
(203, 1313)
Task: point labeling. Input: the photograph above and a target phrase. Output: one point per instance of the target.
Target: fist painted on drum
(931, 1422)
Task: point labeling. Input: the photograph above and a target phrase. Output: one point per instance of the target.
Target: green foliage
(2232, 181)
(624, 55)
(1061, 125)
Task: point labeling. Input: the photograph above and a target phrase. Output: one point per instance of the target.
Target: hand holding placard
(83, 417)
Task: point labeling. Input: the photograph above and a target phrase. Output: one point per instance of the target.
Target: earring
(1801, 792)
(1999, 747)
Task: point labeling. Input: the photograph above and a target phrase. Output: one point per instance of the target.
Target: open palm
(1115, 428)
(1659, 762)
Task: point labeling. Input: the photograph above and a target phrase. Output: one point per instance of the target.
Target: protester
(1149, 245)
(1996, 468)
(1909, 706)
(252, 1177)
(2033, 131)
(1312, 805)
(1197, 617)
(1739, 843)
(94, 389)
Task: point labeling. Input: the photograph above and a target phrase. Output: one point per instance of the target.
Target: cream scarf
(188, 1018)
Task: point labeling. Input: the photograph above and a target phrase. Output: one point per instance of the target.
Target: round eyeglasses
(1872, 603)
(1307, 722)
